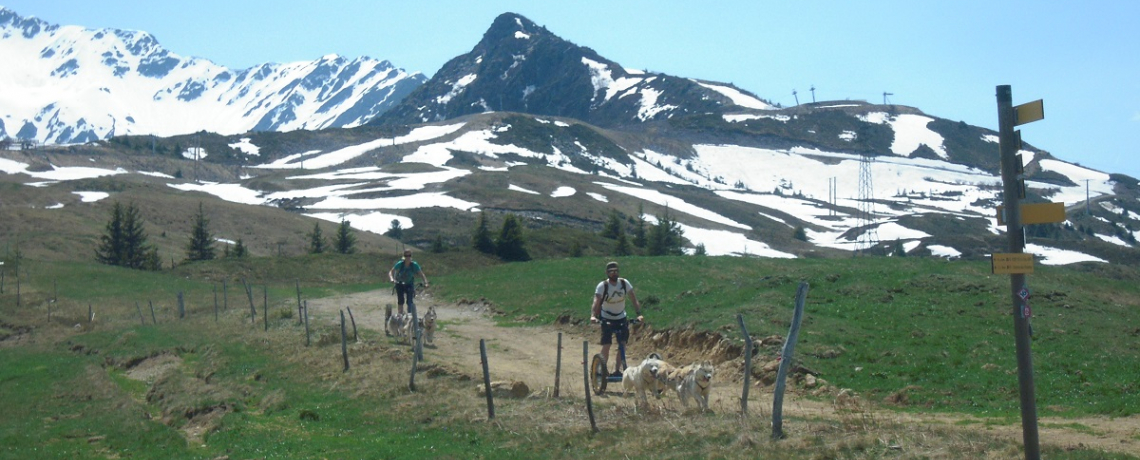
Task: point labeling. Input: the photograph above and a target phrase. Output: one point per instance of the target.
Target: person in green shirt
(403, 274)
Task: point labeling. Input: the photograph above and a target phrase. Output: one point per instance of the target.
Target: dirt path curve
(528, 354)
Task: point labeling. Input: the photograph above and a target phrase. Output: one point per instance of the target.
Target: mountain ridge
(79, 85)
(741, 176)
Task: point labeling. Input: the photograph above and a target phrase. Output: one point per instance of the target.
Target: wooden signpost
(1014, 262)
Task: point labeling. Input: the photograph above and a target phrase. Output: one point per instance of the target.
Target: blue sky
(945, 58)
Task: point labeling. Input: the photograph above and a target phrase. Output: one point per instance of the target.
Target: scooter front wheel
(598, 374)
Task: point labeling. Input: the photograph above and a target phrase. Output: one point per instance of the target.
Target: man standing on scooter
(609, 308)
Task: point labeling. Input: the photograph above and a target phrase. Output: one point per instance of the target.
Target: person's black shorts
(612, 327)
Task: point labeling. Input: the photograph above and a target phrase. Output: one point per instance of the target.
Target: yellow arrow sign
(1036, 213)
(1005, 264)
(1028, 112)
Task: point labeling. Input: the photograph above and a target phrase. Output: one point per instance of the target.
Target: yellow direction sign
(1028, 112)
(1005, 264)
(1036, 213)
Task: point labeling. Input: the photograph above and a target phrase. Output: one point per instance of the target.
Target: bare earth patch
(149, 369)
(529, 354)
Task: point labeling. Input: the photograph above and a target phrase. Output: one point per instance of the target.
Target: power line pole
(869, 237)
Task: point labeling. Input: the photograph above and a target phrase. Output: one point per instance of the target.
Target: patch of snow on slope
(602, 79)
(910, 133)
(739, 117)
(376, 222)
(416, 201)
(346, 154)
(246, 147)
(515, 188)
(456, 88)
(563, 191)
(649, 107)
(674, 203)
(91, 197)
(738, 97)
(1054, 256)
(943, 251)
(230, 192)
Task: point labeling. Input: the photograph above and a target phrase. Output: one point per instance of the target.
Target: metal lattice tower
(869, 237)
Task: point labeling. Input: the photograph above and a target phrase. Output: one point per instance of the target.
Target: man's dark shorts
(611, 327)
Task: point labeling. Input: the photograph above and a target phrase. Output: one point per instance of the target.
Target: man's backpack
(606, 289)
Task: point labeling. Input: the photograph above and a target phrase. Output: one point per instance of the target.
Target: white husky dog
(696, 384)
(644, 377)
(398, 325)
(428, 325)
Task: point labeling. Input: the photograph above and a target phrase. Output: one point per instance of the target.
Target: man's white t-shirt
(613, 304)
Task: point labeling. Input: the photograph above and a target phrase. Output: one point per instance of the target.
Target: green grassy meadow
(939, 332)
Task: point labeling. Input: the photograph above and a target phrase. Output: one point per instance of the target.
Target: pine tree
(151, 261)
(395, 231)
(700, 250)
(481, 240)
(201, 245)
(799, 233)
(613, 226)
(639, 228)
(110, 250)
(345, 241)
(665, 237)
(124, 241)
(135, 249)
(316, 240)
(622, 248)
(239, 251)
(898, 250)
(510, 245)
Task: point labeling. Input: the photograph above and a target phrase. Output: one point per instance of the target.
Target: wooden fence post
(17, 287)
(412, 377)
(265, 306)
(249, 295)
(786, 358)
(90, 314)
(558, 366)
(55, 290)
(152, 318)
(181, 306)
(343, 341)
(586, 381)
(417, 336)
(225, 297)
(747, 365)
(298, 302)
(142, 319)
(355, 338)
(215, 302)
(487, 379)
(307, 323)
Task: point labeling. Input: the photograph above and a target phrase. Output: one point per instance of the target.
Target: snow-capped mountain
(69, 84)
(519, 66)
(532, 125)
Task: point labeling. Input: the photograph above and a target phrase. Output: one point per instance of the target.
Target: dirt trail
(528, 354)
